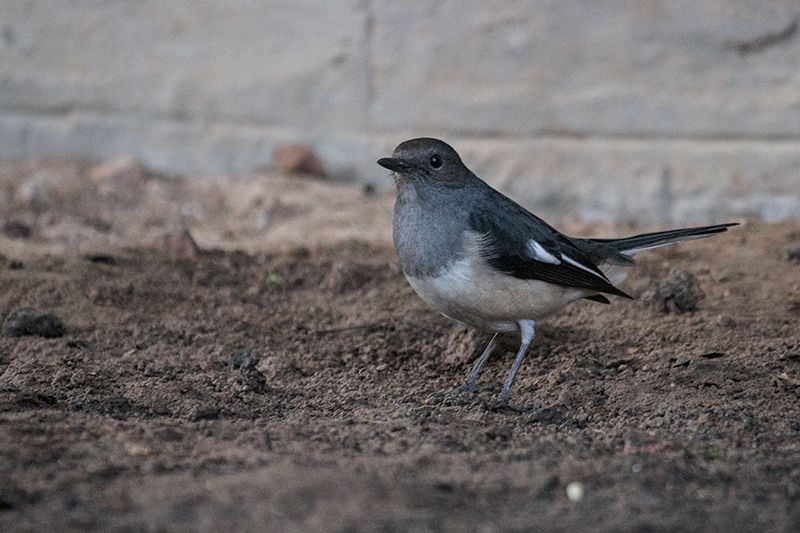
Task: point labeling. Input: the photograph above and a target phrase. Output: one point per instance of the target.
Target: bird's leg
(526, 328)
(469, 384)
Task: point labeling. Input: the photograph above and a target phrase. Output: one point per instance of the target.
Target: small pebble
(122, 175)
(725, 321)
(30, 321)
(297, 158)
(348, 275)
(243, 359)
(17, 230)
(137, 449)
(548, 416)
(575, 491)
(201, 278)
(720, 276)
(501, 433)
(791, 252)
(168, 434)
(678, 292)
(204, 412)
(178, 245)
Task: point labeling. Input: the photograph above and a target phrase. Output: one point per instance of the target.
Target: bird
(481, 259)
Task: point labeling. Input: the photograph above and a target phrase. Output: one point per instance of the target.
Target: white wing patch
(540, 254)
(572, 262)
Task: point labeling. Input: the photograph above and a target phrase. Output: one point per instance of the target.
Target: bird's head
(426, 161)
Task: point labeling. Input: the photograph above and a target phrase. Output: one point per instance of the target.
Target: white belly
(473, 293)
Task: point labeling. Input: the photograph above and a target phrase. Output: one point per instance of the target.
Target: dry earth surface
(283, 376)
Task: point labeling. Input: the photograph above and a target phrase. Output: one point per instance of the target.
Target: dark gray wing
(524, 246)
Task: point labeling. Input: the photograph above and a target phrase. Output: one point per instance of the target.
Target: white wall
(658, 111)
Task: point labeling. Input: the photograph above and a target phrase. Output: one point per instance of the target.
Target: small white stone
(575, 491)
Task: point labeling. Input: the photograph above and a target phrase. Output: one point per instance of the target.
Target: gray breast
(427, 233)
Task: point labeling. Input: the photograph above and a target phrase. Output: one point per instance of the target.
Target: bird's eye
(435, 161)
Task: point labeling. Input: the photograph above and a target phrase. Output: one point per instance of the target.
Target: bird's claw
(468, 387)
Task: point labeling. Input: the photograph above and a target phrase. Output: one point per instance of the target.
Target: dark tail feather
(646, 241)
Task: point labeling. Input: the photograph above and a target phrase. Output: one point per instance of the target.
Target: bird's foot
(468, 387)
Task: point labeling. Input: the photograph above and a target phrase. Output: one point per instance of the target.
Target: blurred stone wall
(654, 111)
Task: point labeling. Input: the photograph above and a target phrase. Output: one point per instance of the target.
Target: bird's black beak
(396, 165)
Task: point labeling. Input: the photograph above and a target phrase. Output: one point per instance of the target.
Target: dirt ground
(285, 377)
